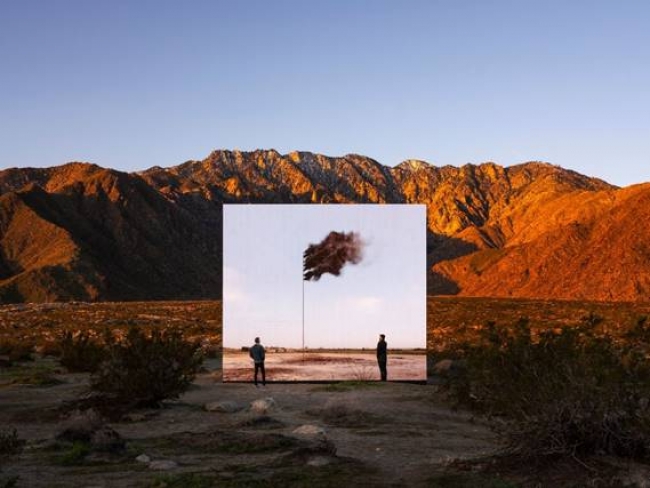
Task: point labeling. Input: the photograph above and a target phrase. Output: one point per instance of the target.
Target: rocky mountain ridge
(78, 231)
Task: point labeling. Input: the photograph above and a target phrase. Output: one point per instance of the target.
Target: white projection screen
(319, 310)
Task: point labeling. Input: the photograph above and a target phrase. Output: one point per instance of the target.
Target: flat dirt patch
(325, 366)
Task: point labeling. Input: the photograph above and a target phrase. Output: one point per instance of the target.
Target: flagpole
(303, 319)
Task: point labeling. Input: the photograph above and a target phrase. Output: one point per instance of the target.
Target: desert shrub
(74, 455)
(37, 377)
(211, 351)
(362, 373)
(17, 350)
(50, 348)
(10, 443)
(638, 336)
(183, 480)
(144, 369)
(9, 482)
(80, 352)
(568, 391)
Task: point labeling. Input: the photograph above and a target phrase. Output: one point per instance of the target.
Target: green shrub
(17, 350)
(143, 370)
(74, 455)
(10, 443)
(569, 391)
(80, 353)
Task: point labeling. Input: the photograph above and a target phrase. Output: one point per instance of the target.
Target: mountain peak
(414, 165)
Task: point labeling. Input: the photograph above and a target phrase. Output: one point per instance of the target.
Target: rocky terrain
(81, 232)
(235, 435)
(361, 433)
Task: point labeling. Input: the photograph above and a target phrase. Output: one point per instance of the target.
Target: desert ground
(355, 433)
(326, 366)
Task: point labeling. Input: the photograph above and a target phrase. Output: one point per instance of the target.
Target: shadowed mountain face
(82, 232)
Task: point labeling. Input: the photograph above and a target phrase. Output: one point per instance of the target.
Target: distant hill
(81, 232)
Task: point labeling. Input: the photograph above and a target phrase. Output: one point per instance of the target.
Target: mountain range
(534, 230)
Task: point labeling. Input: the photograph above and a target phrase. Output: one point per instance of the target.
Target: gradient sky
(385, 293)
(133, 84)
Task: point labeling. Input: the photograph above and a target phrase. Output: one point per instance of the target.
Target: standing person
(382, 356)
(257, 354)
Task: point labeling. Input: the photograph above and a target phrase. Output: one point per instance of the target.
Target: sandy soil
(384, 434)
(325, 366)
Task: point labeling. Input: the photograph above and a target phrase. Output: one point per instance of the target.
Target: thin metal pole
(303, 318)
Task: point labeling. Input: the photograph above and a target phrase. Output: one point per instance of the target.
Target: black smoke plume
(337, 249)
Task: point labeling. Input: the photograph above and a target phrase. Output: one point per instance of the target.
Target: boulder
(442, 366)
(262, 405)
(449, 367)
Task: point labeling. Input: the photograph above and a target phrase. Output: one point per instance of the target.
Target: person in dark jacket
(257, 354)
(382, 356)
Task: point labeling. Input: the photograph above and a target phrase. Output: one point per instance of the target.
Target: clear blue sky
(384, 293)
(132, 84)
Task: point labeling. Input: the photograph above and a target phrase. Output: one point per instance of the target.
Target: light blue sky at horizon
(130, 85)
(385, 293)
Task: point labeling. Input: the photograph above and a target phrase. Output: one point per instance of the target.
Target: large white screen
(265, 294)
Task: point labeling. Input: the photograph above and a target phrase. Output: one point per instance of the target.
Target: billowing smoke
(337, 249)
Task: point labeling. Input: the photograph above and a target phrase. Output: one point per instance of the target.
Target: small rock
(143, 458)
(134, 417)
(222, 407)
(262, 405)
(319, 461)
(443, 366)
(449, 367)
(309, 429)
(162, 465)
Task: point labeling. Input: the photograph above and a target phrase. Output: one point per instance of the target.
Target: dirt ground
(326, 366)
(373, 434)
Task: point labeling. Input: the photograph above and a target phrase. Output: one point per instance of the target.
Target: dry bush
(50, 348)
(10, 443)
(567, 391)
(17, 350)
(211, 350)
(80, 352)
(362, 372)
(144, 369)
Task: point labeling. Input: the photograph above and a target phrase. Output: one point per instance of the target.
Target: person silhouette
(257, 354)
(382, 356)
